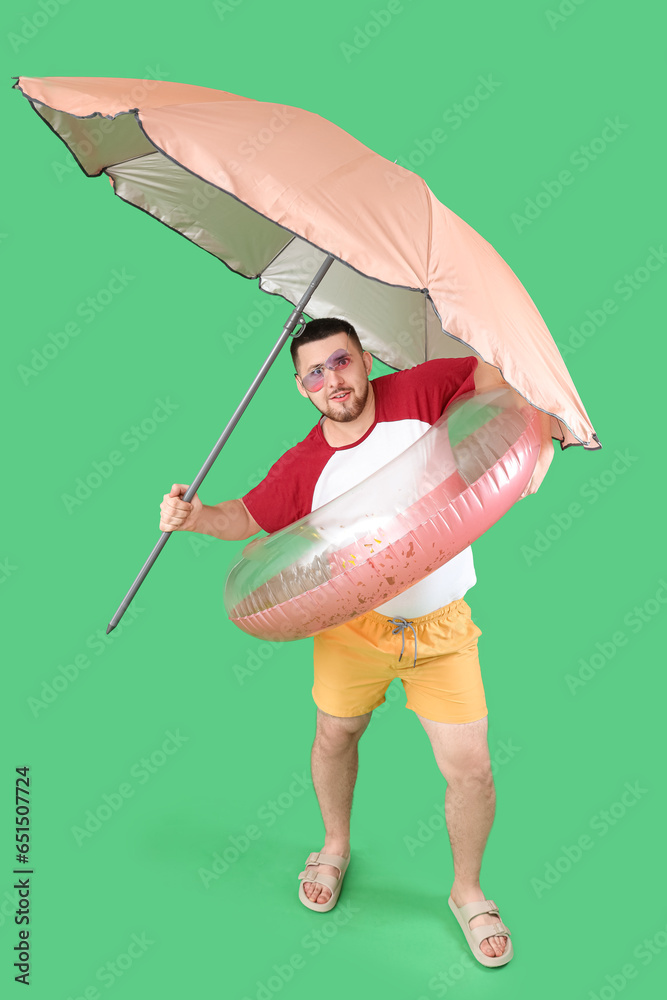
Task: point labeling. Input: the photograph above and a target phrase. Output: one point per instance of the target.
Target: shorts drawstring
(401, 625)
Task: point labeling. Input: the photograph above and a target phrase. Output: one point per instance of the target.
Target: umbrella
(282, 195)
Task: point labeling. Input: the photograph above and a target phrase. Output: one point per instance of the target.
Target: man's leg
(462, 754)
(334, 764)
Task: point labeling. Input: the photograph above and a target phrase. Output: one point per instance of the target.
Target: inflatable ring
(392, 529)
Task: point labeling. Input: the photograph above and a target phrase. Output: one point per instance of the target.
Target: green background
(244, 710)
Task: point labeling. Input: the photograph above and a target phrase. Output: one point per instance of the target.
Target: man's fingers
(174, 511)
(173, 519)
(175, 504)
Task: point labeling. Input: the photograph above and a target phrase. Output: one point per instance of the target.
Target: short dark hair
(318, 329)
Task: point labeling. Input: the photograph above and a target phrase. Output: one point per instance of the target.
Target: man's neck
(339, 433)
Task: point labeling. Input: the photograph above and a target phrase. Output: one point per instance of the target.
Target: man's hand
(175, 513)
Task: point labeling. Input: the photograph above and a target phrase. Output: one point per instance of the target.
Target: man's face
(344, 393)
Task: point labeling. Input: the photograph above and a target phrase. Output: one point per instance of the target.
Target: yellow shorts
(355, 663)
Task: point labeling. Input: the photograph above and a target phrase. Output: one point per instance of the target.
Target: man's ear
(299, 386)
(368, 361)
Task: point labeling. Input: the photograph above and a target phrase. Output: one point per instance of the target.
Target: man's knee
(477, 768)
(461, 750)
(471, 768)
(340, 730)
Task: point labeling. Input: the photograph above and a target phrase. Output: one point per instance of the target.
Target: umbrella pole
(192, 489)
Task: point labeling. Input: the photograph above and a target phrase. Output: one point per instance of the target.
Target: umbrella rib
(277, 255)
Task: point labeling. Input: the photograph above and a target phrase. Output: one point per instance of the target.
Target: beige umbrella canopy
(273, 191)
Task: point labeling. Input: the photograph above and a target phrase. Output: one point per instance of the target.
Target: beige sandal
(475, 935)
(332, 882)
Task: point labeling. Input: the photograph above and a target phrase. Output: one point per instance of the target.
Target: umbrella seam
(389, 284)
(430, 227)
(428, 261)
(276, 255)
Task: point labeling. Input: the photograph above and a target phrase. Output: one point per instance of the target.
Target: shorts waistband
(447, 609)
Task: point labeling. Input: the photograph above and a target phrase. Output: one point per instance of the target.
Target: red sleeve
(286, 493)
(426, 390)
(275, 501)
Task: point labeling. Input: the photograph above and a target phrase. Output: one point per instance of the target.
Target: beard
(348, 409)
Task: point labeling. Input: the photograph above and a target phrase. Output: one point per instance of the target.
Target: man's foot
(493, 946)
(315, 892)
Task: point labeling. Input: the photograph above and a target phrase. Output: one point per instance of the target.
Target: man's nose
(337, 377)
(334, 378)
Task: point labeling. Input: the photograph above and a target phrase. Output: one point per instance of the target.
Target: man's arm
(230, 521)
(487, 377)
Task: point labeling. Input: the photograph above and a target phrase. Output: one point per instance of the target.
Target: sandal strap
(330, 881)
(475, 909)
(320, 858)
(335, 860)
(488, 930)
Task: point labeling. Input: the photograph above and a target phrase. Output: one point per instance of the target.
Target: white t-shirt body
(314, 472)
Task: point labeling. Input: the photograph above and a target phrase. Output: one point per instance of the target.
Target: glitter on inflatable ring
(392, 529)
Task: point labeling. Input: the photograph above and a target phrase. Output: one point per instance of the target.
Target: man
(363, 425)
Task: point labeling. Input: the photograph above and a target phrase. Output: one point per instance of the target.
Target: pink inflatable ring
(392, 529)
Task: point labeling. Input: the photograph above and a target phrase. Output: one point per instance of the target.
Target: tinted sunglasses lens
(339, 360)
(314, 381)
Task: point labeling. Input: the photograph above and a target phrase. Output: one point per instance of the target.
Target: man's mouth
(342, 395)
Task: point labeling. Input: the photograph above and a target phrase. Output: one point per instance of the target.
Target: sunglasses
(336, 362)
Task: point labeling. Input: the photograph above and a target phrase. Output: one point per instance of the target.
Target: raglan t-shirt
(313, 472)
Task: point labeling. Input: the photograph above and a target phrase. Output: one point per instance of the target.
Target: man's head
(329, 356)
